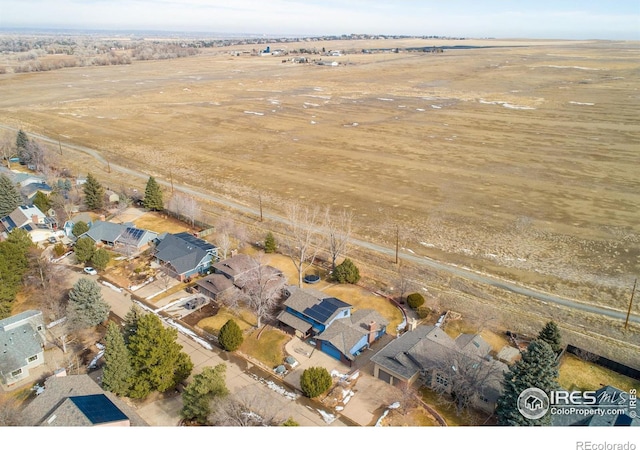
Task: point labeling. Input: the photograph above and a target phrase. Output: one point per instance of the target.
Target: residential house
(330, 323)
(120, 236)
(429, 355)
(22, 343)
(77, 400)
(240, 272)
(185, 254)
(612, 408)
(82, 217)
(30, 190)
(29, 217)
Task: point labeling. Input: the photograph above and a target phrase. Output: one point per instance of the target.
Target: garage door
(384, 376)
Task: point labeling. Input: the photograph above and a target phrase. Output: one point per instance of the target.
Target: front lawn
(269, 349)
(212, 324)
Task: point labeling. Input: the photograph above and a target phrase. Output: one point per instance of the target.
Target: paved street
(245, 376)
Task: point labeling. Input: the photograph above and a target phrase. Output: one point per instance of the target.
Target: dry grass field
(520, 158)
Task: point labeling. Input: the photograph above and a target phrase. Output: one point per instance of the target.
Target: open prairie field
(519, 158)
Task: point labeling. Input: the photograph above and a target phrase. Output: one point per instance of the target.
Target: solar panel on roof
(98, 408)
(325, 309)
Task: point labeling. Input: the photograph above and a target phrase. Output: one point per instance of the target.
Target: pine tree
(117, 368)
(93, 193)
(13, 265)
(86, 306)
(153, 196)
(346, 272)
(10, 197)
(157, 360)
(537, 368)
(206, 386)
(131, 322)
(230, 337)
(269, 243)
(21, 140)
(551, 335)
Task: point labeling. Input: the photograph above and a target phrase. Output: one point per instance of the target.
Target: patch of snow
(394, 405)
(328, 418)
(427, 244)
(420, 109)
(254, 113)
(582, 103)
(436, 107)
(111, 286)
(385, 99)
(384, 414)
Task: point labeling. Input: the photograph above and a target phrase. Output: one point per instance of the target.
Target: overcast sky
(584, 19)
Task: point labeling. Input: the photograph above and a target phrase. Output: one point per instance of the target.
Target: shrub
(230, 337)
(59, 249)
(415, 300)
(100, 259)
(346, 272)
(269, 243)
(314, 381)
(423, 311)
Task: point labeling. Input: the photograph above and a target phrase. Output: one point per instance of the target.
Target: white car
(90, 271)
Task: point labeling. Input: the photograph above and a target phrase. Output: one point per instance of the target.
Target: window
(442, 380)
(15, 373)
(32, 358)
(39, 328)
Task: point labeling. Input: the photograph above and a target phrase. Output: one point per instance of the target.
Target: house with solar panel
(22, 345)
(330, 323)
(29, 217)
(185, 255)
(119, 236)
(78, 401)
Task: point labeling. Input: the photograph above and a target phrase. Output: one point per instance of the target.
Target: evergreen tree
(230, 337)
(346, 272)
(13, 265)
(93, 193)
(67, 184)
(205, 387)
(100, 259)
(537, 368)
(86, 307)
(10, 197)
(415, 300)
(153, 196)
(551, 335)
(117, 368)
(42, 201)
(21, 141)
(79, 228)
(84, 249)
(131, 322)
(157, 360)
(269, 243)
(314, 381)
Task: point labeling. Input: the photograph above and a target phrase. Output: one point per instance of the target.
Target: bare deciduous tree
(262, 287)
(246, 408)
(338, 233)
(223, 241)
(304, 237)
(185, 207)
(462, 380)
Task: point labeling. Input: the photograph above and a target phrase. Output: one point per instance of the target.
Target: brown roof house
(77, 400)
(461, 366)
(22, 345)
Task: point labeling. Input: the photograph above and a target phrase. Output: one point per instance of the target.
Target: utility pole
(397, 242)
(59, 144)
(260, 200)
(171, 178)
(626, 323)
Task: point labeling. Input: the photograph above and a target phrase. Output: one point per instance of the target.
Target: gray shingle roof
(56, 401)
(307, 300)
(183, 251)
(345, 333)
(19, 340)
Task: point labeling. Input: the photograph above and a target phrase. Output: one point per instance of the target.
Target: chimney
(372, 332)
(35, 219)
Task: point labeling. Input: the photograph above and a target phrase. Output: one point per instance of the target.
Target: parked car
(53, 240)
(90, 271)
